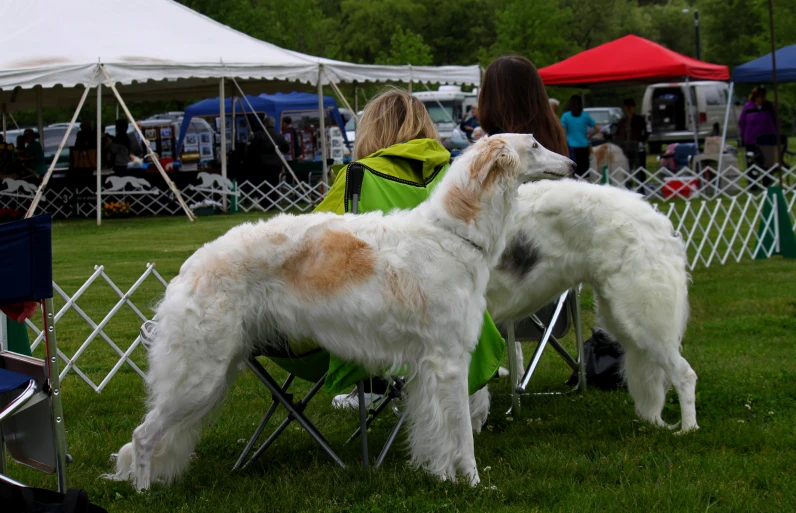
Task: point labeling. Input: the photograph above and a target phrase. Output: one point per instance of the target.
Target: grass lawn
(567, 453)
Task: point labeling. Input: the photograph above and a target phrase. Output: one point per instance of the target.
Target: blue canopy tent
(760, 71)
(272, 104)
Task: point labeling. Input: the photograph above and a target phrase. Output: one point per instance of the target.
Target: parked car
(606, 118)
(665, 108)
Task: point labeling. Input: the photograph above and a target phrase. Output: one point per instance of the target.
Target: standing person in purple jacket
(758, 118)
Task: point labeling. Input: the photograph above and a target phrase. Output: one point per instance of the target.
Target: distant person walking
(758, 118)
(631, 134)
(576, 123)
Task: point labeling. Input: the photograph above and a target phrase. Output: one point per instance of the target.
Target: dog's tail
(193, 356)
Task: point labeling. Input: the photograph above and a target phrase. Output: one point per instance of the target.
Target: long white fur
(420, 304)
(616, 242)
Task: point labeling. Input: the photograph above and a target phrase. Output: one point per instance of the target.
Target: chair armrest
(19, 401)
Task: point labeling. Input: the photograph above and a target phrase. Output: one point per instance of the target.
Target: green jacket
(403, 176)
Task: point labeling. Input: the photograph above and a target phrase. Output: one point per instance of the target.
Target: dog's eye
(535, 144)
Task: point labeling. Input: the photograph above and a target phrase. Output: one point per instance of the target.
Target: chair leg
(381, 406)
(577, 321)
(363, 422)
(263, 423)
(390, 439)
(295, 409)
(3, 464)
(511, 349)
(526, 378)
(59, 433)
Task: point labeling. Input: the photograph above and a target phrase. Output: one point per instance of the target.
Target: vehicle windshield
(601, 116)
(443, 111)
(351, 124)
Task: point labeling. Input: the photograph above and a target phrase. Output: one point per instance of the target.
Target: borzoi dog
(381, 290)
(565, 233)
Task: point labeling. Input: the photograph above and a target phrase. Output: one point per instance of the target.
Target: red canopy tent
(628, 60)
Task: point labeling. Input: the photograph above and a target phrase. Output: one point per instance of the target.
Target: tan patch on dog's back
(462, 204)
(277, 238)
(328, 263)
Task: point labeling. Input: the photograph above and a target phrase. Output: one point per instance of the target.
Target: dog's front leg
(455, 402)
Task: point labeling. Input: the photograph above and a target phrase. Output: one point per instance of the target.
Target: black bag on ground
(603, 356)
(17, 499)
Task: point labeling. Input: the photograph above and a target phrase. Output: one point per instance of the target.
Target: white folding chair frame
(519, 385)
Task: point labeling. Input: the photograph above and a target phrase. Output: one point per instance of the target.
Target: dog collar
(473, 244)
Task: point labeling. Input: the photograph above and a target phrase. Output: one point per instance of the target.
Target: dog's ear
(495, 159)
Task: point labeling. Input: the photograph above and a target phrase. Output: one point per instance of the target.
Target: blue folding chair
(31, 414)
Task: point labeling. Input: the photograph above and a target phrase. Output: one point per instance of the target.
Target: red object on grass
(20, 311)
(680, 187)
(629, 60)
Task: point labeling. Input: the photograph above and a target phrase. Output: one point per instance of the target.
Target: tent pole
(234, 135)
(356, 99)
(340, 95)
(776, 87)
(260, 121)
(39, 118)
(99, 153)
(724, 131)
(692, 114)
(152, 155)
(46, 179)
(223, 150)
(323, 129)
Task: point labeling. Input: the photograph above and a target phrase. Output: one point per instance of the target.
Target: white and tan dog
(381, 290)
(569, 232)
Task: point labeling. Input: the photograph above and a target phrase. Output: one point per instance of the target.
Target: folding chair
(31, 415)
(546, 326)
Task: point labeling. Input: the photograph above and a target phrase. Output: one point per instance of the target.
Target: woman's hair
(757, 92)
(513, 100)
(392, 117)
(575, 105)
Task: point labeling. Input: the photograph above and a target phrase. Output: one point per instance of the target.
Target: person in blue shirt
(577, 123)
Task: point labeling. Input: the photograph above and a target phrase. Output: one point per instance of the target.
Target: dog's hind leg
(646, 382)
(191, 367)
(684, 379)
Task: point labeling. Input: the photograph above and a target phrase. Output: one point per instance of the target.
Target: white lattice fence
(696, 182)
(144, 200)
(108, 365)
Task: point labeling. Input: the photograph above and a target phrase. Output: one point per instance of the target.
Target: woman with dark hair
(577, 124)
(513, 100)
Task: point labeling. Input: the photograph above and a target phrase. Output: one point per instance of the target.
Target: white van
(446, 108)
(665, 109)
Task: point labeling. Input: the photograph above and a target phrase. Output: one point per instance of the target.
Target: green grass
(567, 453)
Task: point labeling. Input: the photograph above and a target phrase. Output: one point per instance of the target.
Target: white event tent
(60, 52)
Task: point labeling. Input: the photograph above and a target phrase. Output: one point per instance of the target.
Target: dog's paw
(687, 430)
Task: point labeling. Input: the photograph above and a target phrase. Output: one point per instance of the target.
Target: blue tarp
(272, 104)
(759, 70)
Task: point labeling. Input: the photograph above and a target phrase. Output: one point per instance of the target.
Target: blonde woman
(399, 158)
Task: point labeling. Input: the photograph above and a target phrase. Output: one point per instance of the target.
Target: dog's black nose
(572, 168)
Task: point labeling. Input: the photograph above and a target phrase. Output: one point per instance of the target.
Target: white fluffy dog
(382, 290)
(567, 232)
